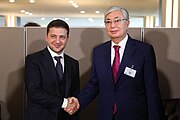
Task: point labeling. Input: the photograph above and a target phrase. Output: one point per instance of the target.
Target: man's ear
(128, 22)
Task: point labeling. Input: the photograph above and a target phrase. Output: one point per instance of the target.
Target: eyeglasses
(116, 21)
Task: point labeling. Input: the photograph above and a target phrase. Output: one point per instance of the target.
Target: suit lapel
(107, 58)
(50, 66)
(127, 56)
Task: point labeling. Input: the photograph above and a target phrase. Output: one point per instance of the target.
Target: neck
(119, 39)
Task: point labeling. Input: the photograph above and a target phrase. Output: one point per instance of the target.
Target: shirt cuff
(65, 102)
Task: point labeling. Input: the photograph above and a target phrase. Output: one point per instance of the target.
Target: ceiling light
(82, 12)
(76, 6)
(30, 14)
(11, 1)
(32, 1)
(22, 11)
(71, 1)
(97, 12)
(26, 12)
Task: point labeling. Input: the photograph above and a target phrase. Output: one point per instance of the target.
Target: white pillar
(175, 14)
(10, 21)
(150, 22)
(169, 13)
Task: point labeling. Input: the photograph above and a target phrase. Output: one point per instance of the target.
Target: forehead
(57, 30)
(114, 14)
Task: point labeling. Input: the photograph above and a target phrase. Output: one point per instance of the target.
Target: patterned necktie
(116, 62)
(59, 68)
(115, 67)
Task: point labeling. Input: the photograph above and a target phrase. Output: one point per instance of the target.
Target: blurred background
(88, 13)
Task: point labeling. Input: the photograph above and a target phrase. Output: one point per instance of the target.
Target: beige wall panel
(11, 72)
(81, 43)
(80, 46)
(166, 43)
(35, 39)
(135, 33)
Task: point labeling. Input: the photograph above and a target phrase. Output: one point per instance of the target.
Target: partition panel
(81, 42)
(135, 33)
(35, 39)
(11, 72)
(166, 44)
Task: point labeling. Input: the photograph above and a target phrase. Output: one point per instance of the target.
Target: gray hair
(117, 8)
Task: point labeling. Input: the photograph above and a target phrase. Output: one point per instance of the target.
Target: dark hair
(31, 24)
(58, 24)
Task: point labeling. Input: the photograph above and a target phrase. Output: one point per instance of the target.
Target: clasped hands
(72, 106)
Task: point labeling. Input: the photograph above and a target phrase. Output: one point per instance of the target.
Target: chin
(115, 36)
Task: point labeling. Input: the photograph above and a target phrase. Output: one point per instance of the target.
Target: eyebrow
(113, 18)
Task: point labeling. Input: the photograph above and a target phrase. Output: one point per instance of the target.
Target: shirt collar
(53, 54)
(122, 43)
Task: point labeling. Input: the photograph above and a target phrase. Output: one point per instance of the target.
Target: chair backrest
(172, 109)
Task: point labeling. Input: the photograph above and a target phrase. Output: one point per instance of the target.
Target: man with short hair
(51, 76)
(123, 74)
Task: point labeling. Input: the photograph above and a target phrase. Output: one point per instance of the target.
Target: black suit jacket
(45, 94)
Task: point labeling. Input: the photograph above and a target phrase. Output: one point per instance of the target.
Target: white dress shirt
(122, 45)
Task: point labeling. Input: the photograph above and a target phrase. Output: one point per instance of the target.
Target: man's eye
(108, 22)
(117, 20)
(53, 36)
(62, 37)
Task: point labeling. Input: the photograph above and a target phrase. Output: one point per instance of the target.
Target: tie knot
(116, 48)
(57, 58)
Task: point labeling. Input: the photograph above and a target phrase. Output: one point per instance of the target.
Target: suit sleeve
(33, 86)
(155, 111)
(90, 91)
(76, 82)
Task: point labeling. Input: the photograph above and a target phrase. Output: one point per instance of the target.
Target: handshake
(72, 106)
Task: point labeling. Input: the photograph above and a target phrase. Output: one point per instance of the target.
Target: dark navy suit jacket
(45, 94)
(137, 98)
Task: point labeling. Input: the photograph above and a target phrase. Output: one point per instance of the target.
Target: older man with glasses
(123, 74)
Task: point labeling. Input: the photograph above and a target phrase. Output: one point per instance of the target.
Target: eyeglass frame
(116, 21)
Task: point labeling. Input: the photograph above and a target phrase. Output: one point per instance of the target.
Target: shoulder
(139, 43)
(69, 58)
(104, 45)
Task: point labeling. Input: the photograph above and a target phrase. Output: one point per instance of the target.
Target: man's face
(116, 25)
(57, 39)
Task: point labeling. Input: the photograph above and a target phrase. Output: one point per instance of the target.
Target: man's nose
(58, 40)
(112, 24)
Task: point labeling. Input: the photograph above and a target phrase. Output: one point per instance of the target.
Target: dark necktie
(115, 67)
(59, 68)
(116, 62)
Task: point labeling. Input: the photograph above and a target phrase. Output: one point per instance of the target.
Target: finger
(70, 100)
